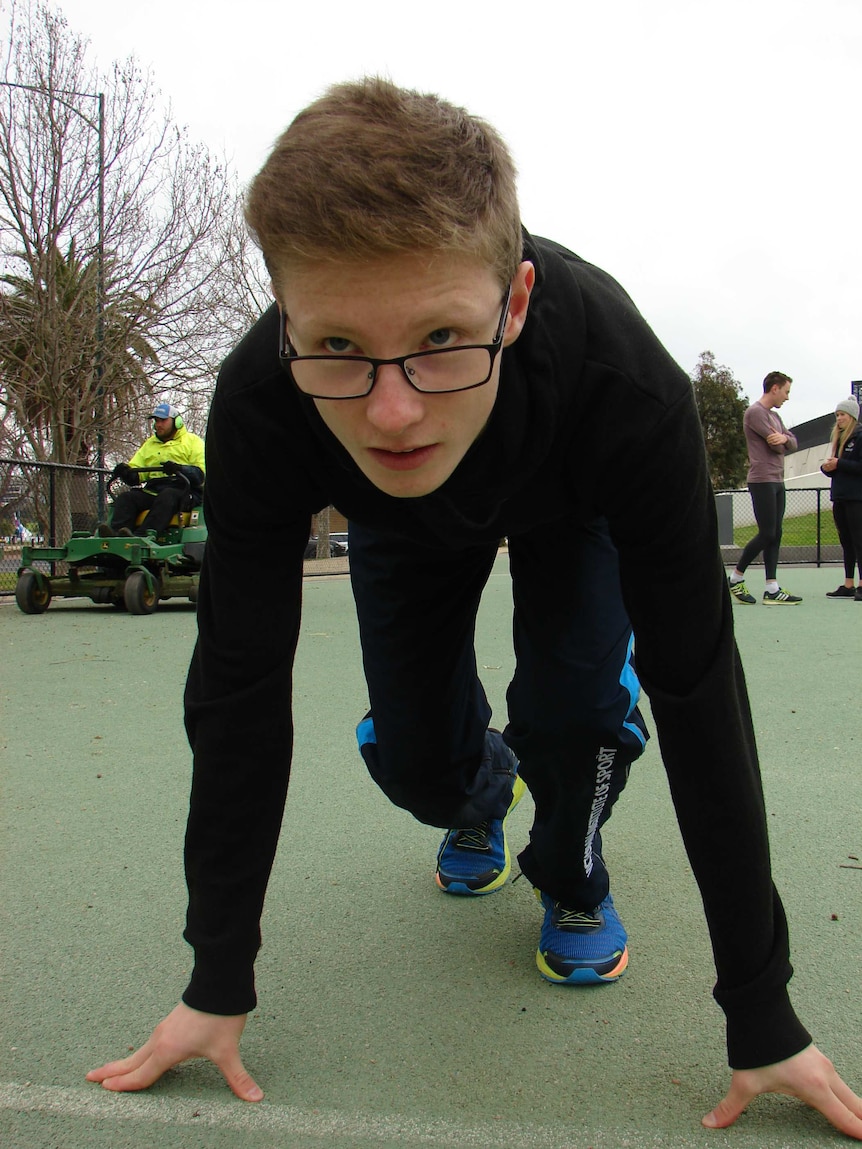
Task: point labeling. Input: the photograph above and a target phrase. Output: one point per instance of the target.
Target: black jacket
(592, 418)
(847, 476)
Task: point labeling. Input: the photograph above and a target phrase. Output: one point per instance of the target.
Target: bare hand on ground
(185, 1033)
(809, 1076)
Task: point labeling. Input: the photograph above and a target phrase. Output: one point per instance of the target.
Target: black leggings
(768, 500)
(848, 522)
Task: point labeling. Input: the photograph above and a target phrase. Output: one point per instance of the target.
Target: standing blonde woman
(845, 466)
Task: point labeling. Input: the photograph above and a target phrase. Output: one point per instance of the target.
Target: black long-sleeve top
(592, 418)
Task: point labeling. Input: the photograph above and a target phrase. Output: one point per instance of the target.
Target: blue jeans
(573, 717)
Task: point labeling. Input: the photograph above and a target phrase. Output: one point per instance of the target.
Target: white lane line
(285, 1120)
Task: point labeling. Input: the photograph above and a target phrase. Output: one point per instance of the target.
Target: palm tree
(61, 383)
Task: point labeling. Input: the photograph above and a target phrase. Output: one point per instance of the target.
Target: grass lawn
(799, 531)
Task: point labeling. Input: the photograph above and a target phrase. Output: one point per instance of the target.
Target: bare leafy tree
(245, 282)
(55, 310)
(112, 239)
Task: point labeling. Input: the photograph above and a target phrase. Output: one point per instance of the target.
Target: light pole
(99, 128)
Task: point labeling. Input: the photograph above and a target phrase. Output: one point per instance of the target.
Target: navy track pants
(572, 703)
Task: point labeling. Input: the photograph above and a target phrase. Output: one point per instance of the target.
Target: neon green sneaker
(740, 592)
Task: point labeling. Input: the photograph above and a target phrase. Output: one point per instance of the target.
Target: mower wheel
(30, 596)
(138, 597)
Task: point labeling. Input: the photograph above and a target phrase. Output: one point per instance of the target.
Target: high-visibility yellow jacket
(184, 448)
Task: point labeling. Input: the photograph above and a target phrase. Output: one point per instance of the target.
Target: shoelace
(473, 837)
(568, 919)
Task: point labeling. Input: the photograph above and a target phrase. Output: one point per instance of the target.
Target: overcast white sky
(705, 154)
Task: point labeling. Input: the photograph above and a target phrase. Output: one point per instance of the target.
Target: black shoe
(841, 592)
(781, 596)
(740, 592)
(858, 595)
(126, 533)
(106, 531)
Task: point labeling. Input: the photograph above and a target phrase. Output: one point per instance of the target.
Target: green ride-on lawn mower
(132, 572)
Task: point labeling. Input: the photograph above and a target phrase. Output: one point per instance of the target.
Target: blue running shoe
(581, 948)
(476, 860)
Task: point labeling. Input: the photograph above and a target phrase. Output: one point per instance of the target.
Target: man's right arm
(238, 719)
(758, 423)
(185, 1033)
(238, 705)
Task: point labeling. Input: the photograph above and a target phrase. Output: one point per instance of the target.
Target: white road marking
(284, 1120)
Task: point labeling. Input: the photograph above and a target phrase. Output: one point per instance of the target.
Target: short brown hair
(775, 379)
(371, 169)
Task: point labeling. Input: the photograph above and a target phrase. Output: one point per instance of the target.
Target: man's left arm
(189, 457)
(790, 444)
(809, 1075)
(661, 510)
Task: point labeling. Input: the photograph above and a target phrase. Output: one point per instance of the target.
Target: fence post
(724, 513)
(819, 501)
(101, 514)
(52, 504)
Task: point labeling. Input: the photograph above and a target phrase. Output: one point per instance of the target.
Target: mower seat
(183, 519)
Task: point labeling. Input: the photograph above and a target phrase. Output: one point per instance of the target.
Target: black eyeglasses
(437, 372)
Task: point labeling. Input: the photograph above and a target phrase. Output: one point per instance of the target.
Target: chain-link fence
(43, 503)
(808, 535)
(46, 502)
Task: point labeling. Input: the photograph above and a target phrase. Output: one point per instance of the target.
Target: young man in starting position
(445, 379)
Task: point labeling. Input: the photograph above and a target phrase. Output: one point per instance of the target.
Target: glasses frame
(287, 356)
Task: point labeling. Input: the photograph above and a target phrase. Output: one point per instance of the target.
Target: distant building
(802, 468)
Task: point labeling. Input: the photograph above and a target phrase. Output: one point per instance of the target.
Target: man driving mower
(175, 458)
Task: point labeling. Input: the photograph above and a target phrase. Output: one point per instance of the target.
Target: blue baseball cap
(164, 411)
